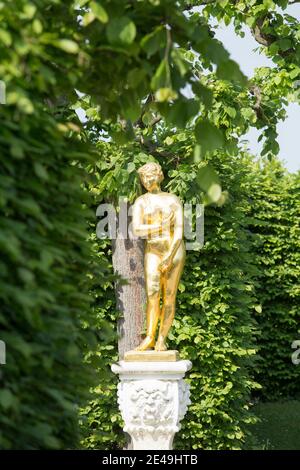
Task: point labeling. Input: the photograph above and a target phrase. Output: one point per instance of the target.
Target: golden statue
(158, 217)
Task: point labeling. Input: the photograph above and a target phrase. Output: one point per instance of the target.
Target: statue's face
(151, 180)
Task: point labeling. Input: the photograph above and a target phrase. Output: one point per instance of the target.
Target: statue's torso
(156, 209)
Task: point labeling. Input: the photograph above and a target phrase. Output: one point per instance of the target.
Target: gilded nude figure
(158, 217)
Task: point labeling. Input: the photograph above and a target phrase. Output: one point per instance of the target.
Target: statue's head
(151, 175)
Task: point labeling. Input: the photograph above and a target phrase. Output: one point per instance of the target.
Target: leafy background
(127, 66)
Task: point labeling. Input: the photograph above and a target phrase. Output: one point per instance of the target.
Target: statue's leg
(152, 281)
(170, 281)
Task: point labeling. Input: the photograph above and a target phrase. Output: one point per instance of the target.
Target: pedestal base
(153, 399)
(151, 356)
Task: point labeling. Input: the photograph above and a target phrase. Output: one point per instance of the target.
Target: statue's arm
(178, 230)
(139, 229)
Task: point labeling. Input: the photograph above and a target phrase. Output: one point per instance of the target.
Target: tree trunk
(128, 262)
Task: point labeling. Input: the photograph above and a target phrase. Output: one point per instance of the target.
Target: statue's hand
(166, 264)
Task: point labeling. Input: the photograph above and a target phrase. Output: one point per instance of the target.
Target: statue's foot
(148, 343)
(160, 344)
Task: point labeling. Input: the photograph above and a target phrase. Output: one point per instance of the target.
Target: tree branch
(189, 6)
(259, 35)
(152, 147)
(255, 90)
(267, 39)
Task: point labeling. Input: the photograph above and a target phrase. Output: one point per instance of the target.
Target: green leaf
(40, 171)
(29, 206)
(284, 44)
(161, 78)
(278, 79)
(180, 62)
(99, 12)
(247, 113)
(130, 105)
(5, 37)
(214, 192)
(154, 41)
(209, 181)
(208, 136)
(229, 70)
(182, 111)
(16, 342)
(122, 137)
(295, 73)
(165, 94)
(135, 77)
(169, 140)
(16, 149)
(25, 275)
(230, 111)
(130, 167)
(121, 30)
(197, 153)
(213, 50)
(67, 45)
(7, 399)
(37, 26)
(88, 18)
(204, 93)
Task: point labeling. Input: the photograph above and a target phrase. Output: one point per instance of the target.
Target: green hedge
(45, 318)
(43, 291)
(275, 208)
(214, 324)
(100, 419)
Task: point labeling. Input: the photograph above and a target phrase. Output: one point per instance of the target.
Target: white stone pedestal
(153, 399)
